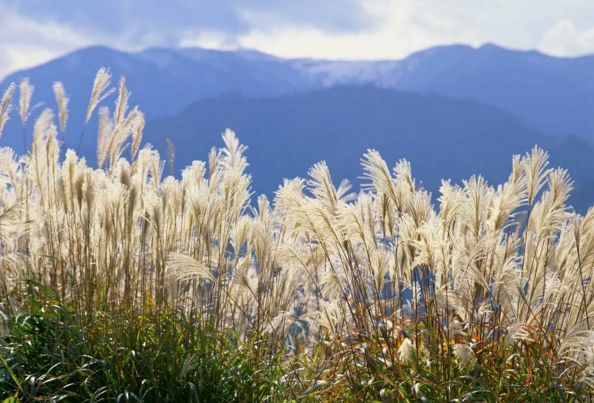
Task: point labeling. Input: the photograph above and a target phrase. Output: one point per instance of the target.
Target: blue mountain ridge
(527, 98)
(553, 95)
(162, 81)
(443, 138)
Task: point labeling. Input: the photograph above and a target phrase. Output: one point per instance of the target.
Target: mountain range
(443, 138)
(452, 110)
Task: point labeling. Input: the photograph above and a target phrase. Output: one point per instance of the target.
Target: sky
(35, 31)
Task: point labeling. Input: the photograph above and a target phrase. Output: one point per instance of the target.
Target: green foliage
(156, 357)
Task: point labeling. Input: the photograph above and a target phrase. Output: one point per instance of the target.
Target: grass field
(120, 284)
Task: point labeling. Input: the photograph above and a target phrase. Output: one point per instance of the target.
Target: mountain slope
(441, 137)
(554, 95)
(162, 81)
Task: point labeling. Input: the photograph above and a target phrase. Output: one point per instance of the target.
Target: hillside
(442, 138)
(162, 82)
(553, 95)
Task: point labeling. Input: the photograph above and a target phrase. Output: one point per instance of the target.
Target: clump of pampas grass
(388, 293)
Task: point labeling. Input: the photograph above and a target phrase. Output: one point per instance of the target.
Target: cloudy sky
(35, 31)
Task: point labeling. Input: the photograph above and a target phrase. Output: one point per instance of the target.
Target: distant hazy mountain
(162, 82)
(443, 138)
(552, 95)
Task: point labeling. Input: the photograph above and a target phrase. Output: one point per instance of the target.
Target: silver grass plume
(113, 133)
(98, 94)
(376, 170)
(137, 135)
(26, 93)
(99, 91)
(181, 267)
(124, 125)
(189, 365)
(464, 354)
(405, 351)
(62, 101)
(233, 151)
(6, 106)
(10, 220)
(321, 185)
(516, 332)
(106, 127)
(535, 166)
(40, 131)
(122, 102)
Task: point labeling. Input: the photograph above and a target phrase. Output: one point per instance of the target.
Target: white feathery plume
(194, 173)
(10, 220)
(342, 192)
(62, 101)
(106, 127)
(119, 114)
(321, 186)
(535, 166)
(578, 345)
(99, 91)
(189, 365)
(26, 93)
(122, 132)
(233, 151)
(478, 204)
(113, 133)
(451, 200)
(510, 196)
(403, 174)
(181, 267)
(330, 315)
(40, 131)
(464, 354)
(517, 332)
(454, 329)
(281, 323)
(406, 350)
(377, 171)
(137, 133)
(6, 106)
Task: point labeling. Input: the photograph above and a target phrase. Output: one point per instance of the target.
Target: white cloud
(407, 26)
(565, 39)
(377, 43)
(394, 28)
(208, 39)
(25, 42)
